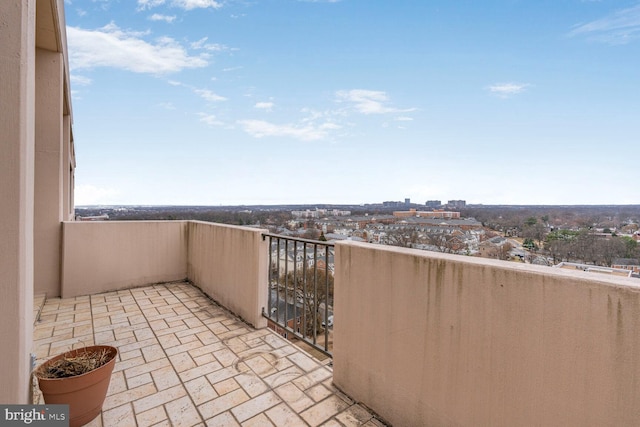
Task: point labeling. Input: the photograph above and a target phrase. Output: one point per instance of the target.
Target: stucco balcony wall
(105, 256)
(421, 338)
(435, 339)
(230, 264)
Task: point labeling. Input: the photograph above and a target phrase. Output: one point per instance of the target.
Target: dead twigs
(70, 366)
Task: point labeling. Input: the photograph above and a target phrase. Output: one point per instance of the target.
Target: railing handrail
(297, 239)
(305, 276)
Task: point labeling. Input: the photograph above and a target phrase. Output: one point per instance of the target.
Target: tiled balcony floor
(185, 361)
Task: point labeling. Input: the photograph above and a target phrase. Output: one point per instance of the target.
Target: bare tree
(609, 249)
(403, 237)
(536, 231)
(312, 234)
(313, 290)
(443, 242)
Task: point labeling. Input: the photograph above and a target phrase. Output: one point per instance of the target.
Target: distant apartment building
(433, 204)
(456, 204)
(392, 204)
(466, 224)
(629, 264)
(497, 248)
(319, 213)
(427, 214)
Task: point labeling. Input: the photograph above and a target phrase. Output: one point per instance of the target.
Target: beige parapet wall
(109, 255)
(428, 339)
(230, 265)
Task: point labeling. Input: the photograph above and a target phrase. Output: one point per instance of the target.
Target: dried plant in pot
(79, 378)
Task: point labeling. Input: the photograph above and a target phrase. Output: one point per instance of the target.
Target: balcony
(185, 360)
(421, 338)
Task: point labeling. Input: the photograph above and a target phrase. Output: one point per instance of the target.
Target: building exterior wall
(632, 268)
(35, 124)
(433, 339)
(17, 104)
(427, 214)
(230, 264)
(68, 172)
(48, 171)
(109, 255)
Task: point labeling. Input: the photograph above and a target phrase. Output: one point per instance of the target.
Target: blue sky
(229, 102)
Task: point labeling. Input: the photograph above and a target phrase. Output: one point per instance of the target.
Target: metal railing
(301, 290)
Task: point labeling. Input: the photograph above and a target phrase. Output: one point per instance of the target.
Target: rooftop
(184, 360)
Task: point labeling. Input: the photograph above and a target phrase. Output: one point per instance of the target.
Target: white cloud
(167, 105)
(232, 69)
(196, 4)
(368, 101)
(308, 132)
(110, 46)
(212, 47)
(183, 4)
(620, 27)
(267, 106)
(404, 119)
(315, 115)
(92, 195)
(203, 93)
(505, 90)
(104, 4)
(80, 80)
(210, 119)
(166, 18)
(148, 4)
(208, 95)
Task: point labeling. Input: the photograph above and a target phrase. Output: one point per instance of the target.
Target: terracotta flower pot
(83, 393)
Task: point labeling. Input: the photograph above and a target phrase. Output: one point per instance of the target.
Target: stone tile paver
(224, 419)
(255, 406)
(151, 417)
(200, 390)
(127, 396)
(159, 398)
(324, 410)
(283, 416)
(185, 361)
(294, 397)
(259, 420)
(355, 415)
(226, 386)
(183, 412)
(120, 416)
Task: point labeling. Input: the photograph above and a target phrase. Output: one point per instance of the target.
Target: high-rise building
(457, 204)
(433, 204)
